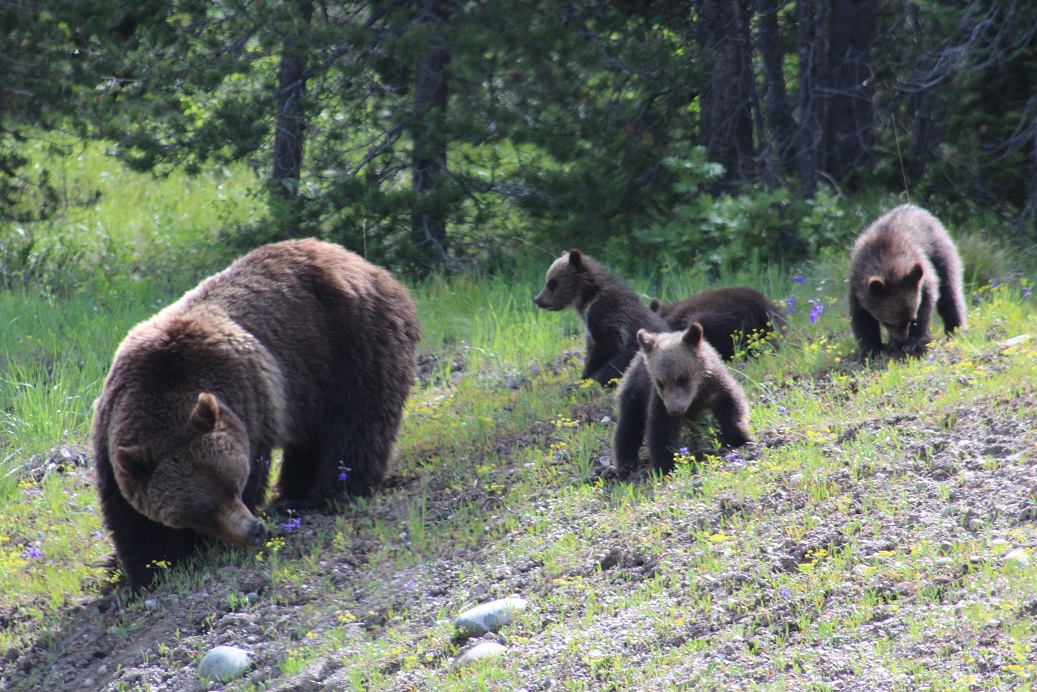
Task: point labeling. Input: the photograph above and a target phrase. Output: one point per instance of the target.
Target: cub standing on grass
(727, 316)
(676, 376)
(901, 266)
(611, 313)
(300, 345)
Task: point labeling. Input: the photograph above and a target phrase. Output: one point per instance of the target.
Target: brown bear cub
(611, 313)
(676, 376)
(729, 317)
(901, 266)
(302, 346)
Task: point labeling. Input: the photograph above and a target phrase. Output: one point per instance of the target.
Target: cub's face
(193, 478)
(561, 283)
(894, 301)
(675, 365)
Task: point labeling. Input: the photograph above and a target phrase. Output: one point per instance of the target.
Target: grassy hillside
(879, 535)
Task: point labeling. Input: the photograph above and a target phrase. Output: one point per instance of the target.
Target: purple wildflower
(995, 283)
(782, 409)
(1026, 292)
(98, 535)
(790, 304)
(799, 279)
(33, 553)
(816, 310)
(292, 524)
(683, 451)
(734, 458)
(343, 475)
(931, 357)
(784, 592)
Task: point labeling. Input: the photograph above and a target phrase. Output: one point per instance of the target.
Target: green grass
(742, 570)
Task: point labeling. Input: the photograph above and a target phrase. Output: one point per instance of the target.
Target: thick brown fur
(300, 345)
(902, 266)
(728, 317)
(611, 312)
(676, 377)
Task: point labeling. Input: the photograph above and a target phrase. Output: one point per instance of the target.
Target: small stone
(1022, 338)
(478, 593)
(1017, 559)
(89, 682)
(943, 562)
(151, 603)
(490, 616)
(480, 651)
(946, 547)
(796, 480)
(102, 669)
(224, 663)
(251, 597)
(975, 524)
(605, 420)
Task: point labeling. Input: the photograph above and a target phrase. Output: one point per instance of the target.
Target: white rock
(224, 663)
(1017, 559)
(1022, 338)
(484, 650)
(490, 616)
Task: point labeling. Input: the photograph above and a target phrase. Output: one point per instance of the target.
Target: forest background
(447, 135)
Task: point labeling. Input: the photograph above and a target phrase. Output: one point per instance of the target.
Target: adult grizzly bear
(676, 376)
(611, 313)
(729, 317)
(300, 345)
(901, 266)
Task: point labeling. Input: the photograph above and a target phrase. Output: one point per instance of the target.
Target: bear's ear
(654, 305)
(206, 414)
(575, 259)
(876, 286)
(646, 340)
(132, 463)
(915, 275)
(693, 335)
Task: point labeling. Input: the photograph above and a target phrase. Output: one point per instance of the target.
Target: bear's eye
(682, 381)
(552, 284)
(659, 384)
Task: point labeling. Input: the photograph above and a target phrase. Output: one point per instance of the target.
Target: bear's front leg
(664, 432)
(144, 547)
(632, 402)
(918, 333)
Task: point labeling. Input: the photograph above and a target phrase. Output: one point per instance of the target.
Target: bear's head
(676, 365)
(192, 477)
(893, 299)
(562, 284)
(660, 309)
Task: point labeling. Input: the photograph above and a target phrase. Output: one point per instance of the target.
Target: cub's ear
(693, 335)
(915, 275)
(646, 340)
(206, 414)
(876, 286)
(654, 305)
(575, 259)
(132, 463)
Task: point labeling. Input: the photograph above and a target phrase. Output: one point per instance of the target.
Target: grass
(861, 541)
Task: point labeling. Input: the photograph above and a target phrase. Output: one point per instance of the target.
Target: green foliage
(726, 231)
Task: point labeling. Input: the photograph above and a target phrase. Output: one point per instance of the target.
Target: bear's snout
(239, 526)
(258, 533)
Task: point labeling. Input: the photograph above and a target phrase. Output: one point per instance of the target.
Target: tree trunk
(777, 112)
(811, 41)
(849, 130)
(290, 122)
(727, 127)
(428, 224)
